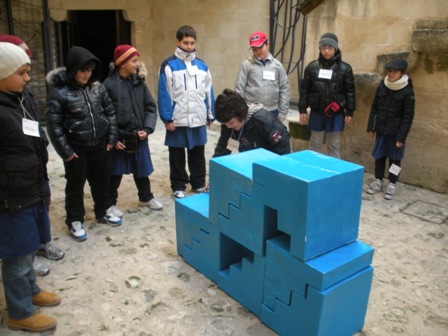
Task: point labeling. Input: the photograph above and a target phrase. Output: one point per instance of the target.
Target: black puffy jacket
(137, 110)
(392, 112)
(261, 130)
(79, 118)
(317, 93)
(22, 167)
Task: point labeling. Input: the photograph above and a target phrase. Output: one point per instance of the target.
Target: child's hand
(170, 126)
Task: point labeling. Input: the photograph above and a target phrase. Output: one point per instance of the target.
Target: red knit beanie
(18, 42)
(124, 53)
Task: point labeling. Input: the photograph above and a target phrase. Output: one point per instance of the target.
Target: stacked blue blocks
(279, 235)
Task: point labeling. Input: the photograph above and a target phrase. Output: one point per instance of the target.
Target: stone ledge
(367, 81)
(430, 41)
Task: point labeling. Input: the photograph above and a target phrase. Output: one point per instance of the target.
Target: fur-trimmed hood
(77, 58)
(142, 72)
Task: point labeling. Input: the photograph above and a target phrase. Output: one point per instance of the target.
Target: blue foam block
(244, 281)
(250, 225)
(200, 242)
(231, 175)
(318, 206)
(339, 310)
(197, 239)
(286, 274)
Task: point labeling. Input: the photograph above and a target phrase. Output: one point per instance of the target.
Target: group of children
(101, 131)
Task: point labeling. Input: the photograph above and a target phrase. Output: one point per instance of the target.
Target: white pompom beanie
(12, 57)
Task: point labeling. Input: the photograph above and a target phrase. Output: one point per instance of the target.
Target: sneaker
(77, 231)
(201, 190)
(375, 187)
(390, 191)
(179, 194)
(34, 323)
(46, 299)
(110, 219)
(153, 204)
(40, 269)
(50, 251)
(114, 211)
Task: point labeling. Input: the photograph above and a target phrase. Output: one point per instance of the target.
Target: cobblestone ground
(129, 280)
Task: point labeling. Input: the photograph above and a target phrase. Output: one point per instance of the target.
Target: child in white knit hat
(24, 221)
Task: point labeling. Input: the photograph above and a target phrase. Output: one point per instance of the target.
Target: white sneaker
(77, 231)
(390, 191)
(40, 269)
(153, 204)
(375, 187)
(179, 194)
(114, 211)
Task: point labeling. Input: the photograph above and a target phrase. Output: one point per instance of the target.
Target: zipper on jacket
(89, 105)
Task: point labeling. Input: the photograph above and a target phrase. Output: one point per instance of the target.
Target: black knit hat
(329, 39)
(397, 64)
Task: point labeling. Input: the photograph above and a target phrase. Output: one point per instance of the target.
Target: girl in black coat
(390, 120)
(328, 89)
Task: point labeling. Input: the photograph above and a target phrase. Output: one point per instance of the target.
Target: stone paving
(129, 280)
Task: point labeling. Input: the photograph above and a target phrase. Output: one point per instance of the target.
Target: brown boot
(46, 299)
(35, 323)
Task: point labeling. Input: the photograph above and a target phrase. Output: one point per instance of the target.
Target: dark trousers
(380, 168)
(196, 165)
(93, 167)
(142, 183)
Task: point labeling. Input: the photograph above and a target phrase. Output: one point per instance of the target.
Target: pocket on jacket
(22, 173)
(315, 101)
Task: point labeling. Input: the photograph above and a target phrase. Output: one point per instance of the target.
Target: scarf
(185, 56)
(398, 84)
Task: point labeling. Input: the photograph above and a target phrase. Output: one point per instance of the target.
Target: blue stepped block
(199, 242)
(339, 310)
(197, 239)
(286, 274)
(251, 225)
(310, 189)
(244, 281)
(231, 175)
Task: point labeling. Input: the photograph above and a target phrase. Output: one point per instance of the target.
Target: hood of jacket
(141, 74)
(76, 58)
(253, 108)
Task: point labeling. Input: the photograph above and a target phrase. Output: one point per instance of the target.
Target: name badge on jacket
(325, 74)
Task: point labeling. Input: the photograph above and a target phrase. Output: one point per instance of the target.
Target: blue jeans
(19, 283)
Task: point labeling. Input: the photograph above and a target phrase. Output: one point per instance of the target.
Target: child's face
(187, 43)
(17, 81)
(393, 75)
(234, 124)
(262, 52)
(130, 67)
(82, 76)
(327, 52)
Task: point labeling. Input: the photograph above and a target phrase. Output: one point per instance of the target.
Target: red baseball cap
(18, 42)
(257, 39)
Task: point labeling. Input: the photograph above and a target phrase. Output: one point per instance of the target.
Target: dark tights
(380, 168)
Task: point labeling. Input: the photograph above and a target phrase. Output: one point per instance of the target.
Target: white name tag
(325, 74)
(394, 169)
(233, 145)
(269, 75)
(30, 127)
